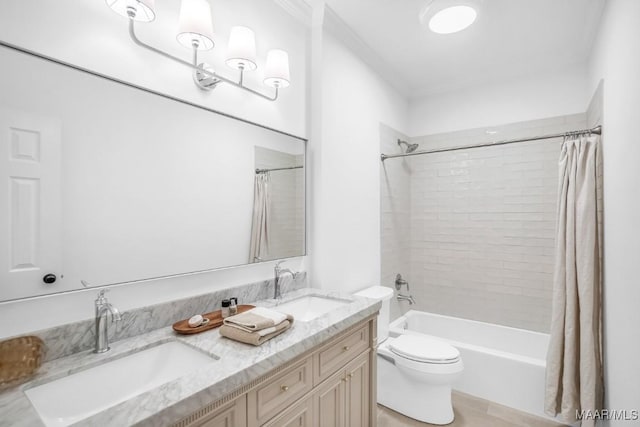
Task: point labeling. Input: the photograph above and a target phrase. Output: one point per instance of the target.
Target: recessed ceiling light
(452, 19)
(449, 16)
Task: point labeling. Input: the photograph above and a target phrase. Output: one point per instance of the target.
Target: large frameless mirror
(109, 183)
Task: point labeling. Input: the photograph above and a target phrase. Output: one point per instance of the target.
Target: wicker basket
(20, 358)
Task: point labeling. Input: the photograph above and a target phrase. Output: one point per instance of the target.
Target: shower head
(410, 147)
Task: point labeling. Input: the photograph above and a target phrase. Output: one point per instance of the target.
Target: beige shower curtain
(574, 360)
(260, 224)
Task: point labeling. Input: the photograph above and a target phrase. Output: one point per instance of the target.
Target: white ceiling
(510, 39)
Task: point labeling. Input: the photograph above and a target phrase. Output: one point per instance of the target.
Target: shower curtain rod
(596, 130)
(277, 169)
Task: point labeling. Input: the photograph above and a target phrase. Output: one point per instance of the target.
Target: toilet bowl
(414, 373)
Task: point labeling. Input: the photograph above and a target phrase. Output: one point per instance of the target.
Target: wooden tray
(215, 320)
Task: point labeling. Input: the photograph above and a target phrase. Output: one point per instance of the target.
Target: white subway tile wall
(395, 200)
(481, 223)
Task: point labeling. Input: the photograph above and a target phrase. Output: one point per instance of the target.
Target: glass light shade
(195, 27)
(242, 49)
(143, 9)
(452, 19)
(276, 72)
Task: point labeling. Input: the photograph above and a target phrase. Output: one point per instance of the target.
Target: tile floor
(470, 411)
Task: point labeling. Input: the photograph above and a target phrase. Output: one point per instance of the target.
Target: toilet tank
(384, 294)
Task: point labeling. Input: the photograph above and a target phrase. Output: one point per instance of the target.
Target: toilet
(414, 372)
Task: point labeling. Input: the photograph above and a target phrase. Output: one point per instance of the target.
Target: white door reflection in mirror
(30, 210)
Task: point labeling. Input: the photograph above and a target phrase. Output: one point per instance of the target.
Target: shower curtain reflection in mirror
(260, 224)
(277, 224)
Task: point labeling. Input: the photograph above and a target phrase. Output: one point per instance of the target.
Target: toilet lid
(424, 349)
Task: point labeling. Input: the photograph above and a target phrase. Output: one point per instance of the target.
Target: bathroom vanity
(321, 369)
(333, 384)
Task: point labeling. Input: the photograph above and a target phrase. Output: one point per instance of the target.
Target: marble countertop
(236, 364)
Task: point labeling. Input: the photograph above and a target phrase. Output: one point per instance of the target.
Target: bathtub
(501, 364)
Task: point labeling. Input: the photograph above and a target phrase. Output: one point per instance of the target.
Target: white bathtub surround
(236, 364)
(479, 224)
(501, 364)
(76, 337)
(574, 380)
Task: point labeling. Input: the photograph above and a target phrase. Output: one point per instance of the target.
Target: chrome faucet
(103, 308)
(278, 272)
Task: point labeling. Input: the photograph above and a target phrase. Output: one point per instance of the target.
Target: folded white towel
(276, 316)
(261, 332)
(256, 319)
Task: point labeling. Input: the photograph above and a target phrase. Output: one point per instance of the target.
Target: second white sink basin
(309, 307)
(70, 399)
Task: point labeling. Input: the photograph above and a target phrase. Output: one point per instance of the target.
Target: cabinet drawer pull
(346, 348)
(284, 387)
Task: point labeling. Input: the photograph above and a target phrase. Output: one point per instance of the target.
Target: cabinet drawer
(270, 398)
(335, 355)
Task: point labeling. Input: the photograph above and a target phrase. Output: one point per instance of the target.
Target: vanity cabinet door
(299, 415)
(329, 401)
(234, 414)
(358, 393)
(343, 400)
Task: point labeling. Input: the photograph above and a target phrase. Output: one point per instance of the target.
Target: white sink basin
(309, 307)
(70, 399)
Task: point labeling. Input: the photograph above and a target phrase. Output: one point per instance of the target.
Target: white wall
(90, 35)
(346, 214)
(616, 59)
(531, 98)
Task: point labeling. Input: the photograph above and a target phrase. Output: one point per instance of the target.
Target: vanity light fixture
(195, 32)
(449, 16)
(242, 49)
(143, 9)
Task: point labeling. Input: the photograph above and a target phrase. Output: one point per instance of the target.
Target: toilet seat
(424, 349)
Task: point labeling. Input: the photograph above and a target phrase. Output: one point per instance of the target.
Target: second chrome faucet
(277, 273)
(103, 308)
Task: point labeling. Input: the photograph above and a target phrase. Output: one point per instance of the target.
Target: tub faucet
(409, 298)
(278, 272)
(103, 308)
